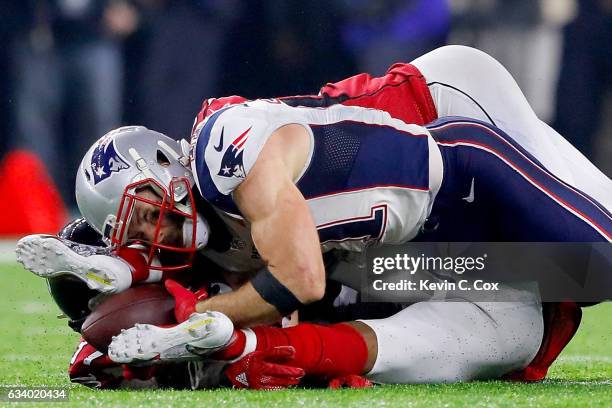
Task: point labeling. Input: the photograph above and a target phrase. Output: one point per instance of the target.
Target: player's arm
(283, 231)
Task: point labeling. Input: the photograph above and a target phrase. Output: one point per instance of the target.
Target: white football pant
(464, 81)
(443, 342)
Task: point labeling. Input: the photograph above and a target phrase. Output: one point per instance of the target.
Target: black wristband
(275, 293)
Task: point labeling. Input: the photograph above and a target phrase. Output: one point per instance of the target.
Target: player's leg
(202, 332)
(520, 198)
(79, 251)
(427, 342)
(50, 256)
(433, 342)
(467, 82)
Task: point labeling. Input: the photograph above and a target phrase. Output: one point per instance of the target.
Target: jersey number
(367, 228)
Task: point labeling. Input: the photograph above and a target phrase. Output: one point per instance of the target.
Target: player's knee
(470, 56)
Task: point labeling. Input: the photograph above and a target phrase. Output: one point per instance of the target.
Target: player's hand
(185, 300)
(350, 381)
(265, 370)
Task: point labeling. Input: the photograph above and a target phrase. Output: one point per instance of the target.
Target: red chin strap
(167, 207)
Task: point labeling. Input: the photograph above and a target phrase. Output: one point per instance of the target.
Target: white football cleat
(49, 256)
(201, 334)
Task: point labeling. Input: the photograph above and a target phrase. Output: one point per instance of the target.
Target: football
(149, 303)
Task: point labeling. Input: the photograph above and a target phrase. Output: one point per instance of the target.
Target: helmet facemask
(113, 182)
(163, 211)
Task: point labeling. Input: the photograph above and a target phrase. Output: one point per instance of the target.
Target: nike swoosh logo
(220, 146)
(470, 197)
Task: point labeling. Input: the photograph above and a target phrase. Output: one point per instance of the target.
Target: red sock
(324, 351)
(234, 349)
(137, 261)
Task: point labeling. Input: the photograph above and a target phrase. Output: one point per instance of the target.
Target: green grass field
(35, 348)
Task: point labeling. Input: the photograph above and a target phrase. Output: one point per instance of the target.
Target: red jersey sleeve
(402, 92)
(211, 105)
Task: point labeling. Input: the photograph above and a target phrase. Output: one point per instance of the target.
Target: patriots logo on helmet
(105, 160)
(231, 163)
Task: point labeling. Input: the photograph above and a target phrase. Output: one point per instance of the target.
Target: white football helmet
(126, 160)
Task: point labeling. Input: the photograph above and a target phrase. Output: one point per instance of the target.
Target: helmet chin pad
(182, 214)
(202, 232)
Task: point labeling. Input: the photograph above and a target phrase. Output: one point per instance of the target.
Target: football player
(93, 368)
(298, 178)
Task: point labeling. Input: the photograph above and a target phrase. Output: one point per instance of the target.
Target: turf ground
(35, 348)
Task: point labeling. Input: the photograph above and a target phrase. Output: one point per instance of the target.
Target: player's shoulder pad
(227, 146)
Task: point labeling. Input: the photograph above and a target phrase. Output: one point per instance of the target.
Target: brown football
(149, 303)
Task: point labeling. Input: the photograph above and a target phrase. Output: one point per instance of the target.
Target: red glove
(92, 368)
(185, 300)
(265, 370)
(350, 381)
